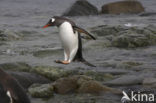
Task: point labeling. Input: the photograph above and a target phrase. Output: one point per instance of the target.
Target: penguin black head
(57, 21)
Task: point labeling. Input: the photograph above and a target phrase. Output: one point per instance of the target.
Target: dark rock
(122, 7)
(81, 8)
(148, 14)
(27, 79)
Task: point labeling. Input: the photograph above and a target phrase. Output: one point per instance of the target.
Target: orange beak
(46, 26)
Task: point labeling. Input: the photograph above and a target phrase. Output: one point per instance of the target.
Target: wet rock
(127, 37)
(99, 76)
(7, 35)
(65, 85)
(52, 73)
(85, 98)
(17, 66)
(81, 84)
(149, 82)
(129, 64)
(81, 8)
(105, 30)
(26, 79)
(122, 7)
(46, 53)
(131, 41)
(148, 14)
(94, 87)
(41, 90)
(129, 79)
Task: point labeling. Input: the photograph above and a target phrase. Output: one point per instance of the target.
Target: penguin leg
(72, 54)
(66, 55)
(65, 61)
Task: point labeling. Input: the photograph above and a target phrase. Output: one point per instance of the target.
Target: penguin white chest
(68, 38)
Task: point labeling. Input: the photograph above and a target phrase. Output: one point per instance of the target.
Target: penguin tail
(79, 56)
(87, 63)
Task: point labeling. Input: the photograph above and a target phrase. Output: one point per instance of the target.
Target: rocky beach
(124, 52)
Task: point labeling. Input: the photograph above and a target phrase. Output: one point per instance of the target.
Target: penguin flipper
(83, 31)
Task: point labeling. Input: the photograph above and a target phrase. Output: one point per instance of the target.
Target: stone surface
(41, 90)
(123, 7)
(149, 82)
(81, 84)
(81, 8)
(126, 37)
(127, 80)
(27, 79)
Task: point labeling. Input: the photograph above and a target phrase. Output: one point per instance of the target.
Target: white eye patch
(52, 19)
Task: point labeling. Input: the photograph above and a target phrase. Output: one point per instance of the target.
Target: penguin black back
(10, 84)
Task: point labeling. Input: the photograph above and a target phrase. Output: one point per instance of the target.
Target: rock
(65, 85)
(46, 53)
(17, 66)
(127, 80)
(122, 7)
(52, 73)
(148, 14)
(99, 76)
(93, 87)
(26, 79)
(81, 8)
(126, 37)
(7, 35)
(81, 84)
(149, 82)
(41, 90)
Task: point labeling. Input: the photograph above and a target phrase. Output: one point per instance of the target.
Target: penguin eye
(52, 19)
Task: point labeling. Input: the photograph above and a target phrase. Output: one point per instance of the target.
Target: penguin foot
(62, 62)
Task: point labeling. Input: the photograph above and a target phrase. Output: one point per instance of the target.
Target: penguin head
(57, 21)
(54, 21)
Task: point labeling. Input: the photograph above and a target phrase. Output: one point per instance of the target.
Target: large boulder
(122, 7)
(125, 37)
(81, 8)
(81, 84)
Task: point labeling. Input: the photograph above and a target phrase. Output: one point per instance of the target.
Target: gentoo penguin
(11, 90)
(70, 37)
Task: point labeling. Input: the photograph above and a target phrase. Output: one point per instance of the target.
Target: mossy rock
(99, 76)
(46, 53)
(125, 37)
(41, 90)
(17, 66)
(52, 73)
